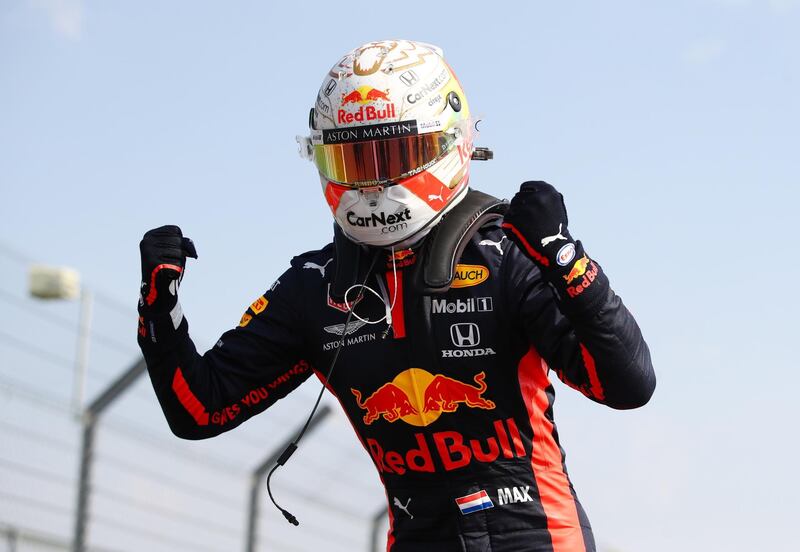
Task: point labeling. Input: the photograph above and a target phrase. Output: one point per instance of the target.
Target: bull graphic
(578, 269)
(444, 394)
(388, 401)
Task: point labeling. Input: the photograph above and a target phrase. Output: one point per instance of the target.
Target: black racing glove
(164, 251)
(536, 221)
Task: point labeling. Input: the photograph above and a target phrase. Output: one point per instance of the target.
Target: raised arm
(567, 308)
(249, 368)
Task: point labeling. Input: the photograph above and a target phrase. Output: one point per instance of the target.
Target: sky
(670, 127)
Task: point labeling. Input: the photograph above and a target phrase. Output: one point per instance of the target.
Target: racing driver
(435, 317)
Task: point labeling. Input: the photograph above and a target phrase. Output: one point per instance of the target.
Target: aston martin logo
(352, 327)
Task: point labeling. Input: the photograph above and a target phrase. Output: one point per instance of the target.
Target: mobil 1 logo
(462, 306)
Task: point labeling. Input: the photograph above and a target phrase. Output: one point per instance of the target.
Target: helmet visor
(366, 163)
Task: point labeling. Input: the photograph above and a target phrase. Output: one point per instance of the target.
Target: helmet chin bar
(371, 194)
(418, 234)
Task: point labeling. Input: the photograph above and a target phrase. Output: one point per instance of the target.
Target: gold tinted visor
(378, 161)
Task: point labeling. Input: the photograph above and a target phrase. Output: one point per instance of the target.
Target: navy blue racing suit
(454, 404)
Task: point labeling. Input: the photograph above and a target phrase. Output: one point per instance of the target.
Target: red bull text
(452, 448)
(578, 269)
(587, 280)
(366, 95)
(367, 113)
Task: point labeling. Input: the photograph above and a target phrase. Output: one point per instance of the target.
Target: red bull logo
(388, 401)
(452, 448)
(360, 97)
(418, 397)
(401, 259)
(578, 269)
(446, 394)
(589, 277)
(363, 95)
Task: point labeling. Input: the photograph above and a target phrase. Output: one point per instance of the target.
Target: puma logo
(402, 507)
(554, 237)
(431, 197)
(315, 266)
(493, 244)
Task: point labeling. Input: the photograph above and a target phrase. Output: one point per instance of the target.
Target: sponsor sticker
(436, 125)
(352, 327)
(314, 266)
(378, 131)
(350, 341)
(329, 88)
(259, 305)
(578, 269)
(409, 78)
(466, 353)
(589, 276)
(465, 334)
(404, 507)
(557, 236)
(470, 275)
(343, 307)
(376, 220)
(418, 397)
(364, 97)
(495, 244)
(462, 306)
(452, 449)
(565, 254)
(246, 318)
(429, 87)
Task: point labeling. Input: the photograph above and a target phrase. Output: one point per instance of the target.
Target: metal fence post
(84, 480)
(13, 539)
(89, 420)
(82, 349)
(257, 478)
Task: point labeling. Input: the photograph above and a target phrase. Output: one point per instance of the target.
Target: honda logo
(465, 334)
(329, 87)
(409, 78)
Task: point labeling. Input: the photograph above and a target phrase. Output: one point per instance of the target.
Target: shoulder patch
(259, 305)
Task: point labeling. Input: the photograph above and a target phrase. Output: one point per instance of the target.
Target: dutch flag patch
(474, 502)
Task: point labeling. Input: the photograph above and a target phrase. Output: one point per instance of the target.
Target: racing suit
(454, 404)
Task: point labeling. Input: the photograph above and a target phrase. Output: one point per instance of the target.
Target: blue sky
(670, 127)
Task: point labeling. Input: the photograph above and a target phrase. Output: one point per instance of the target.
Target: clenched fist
(164, 251)
(536, 221)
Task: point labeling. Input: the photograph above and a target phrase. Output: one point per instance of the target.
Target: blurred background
(670, 127)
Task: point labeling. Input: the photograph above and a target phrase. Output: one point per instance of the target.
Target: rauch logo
(470, 275)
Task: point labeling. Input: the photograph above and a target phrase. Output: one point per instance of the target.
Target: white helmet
(391, 137)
